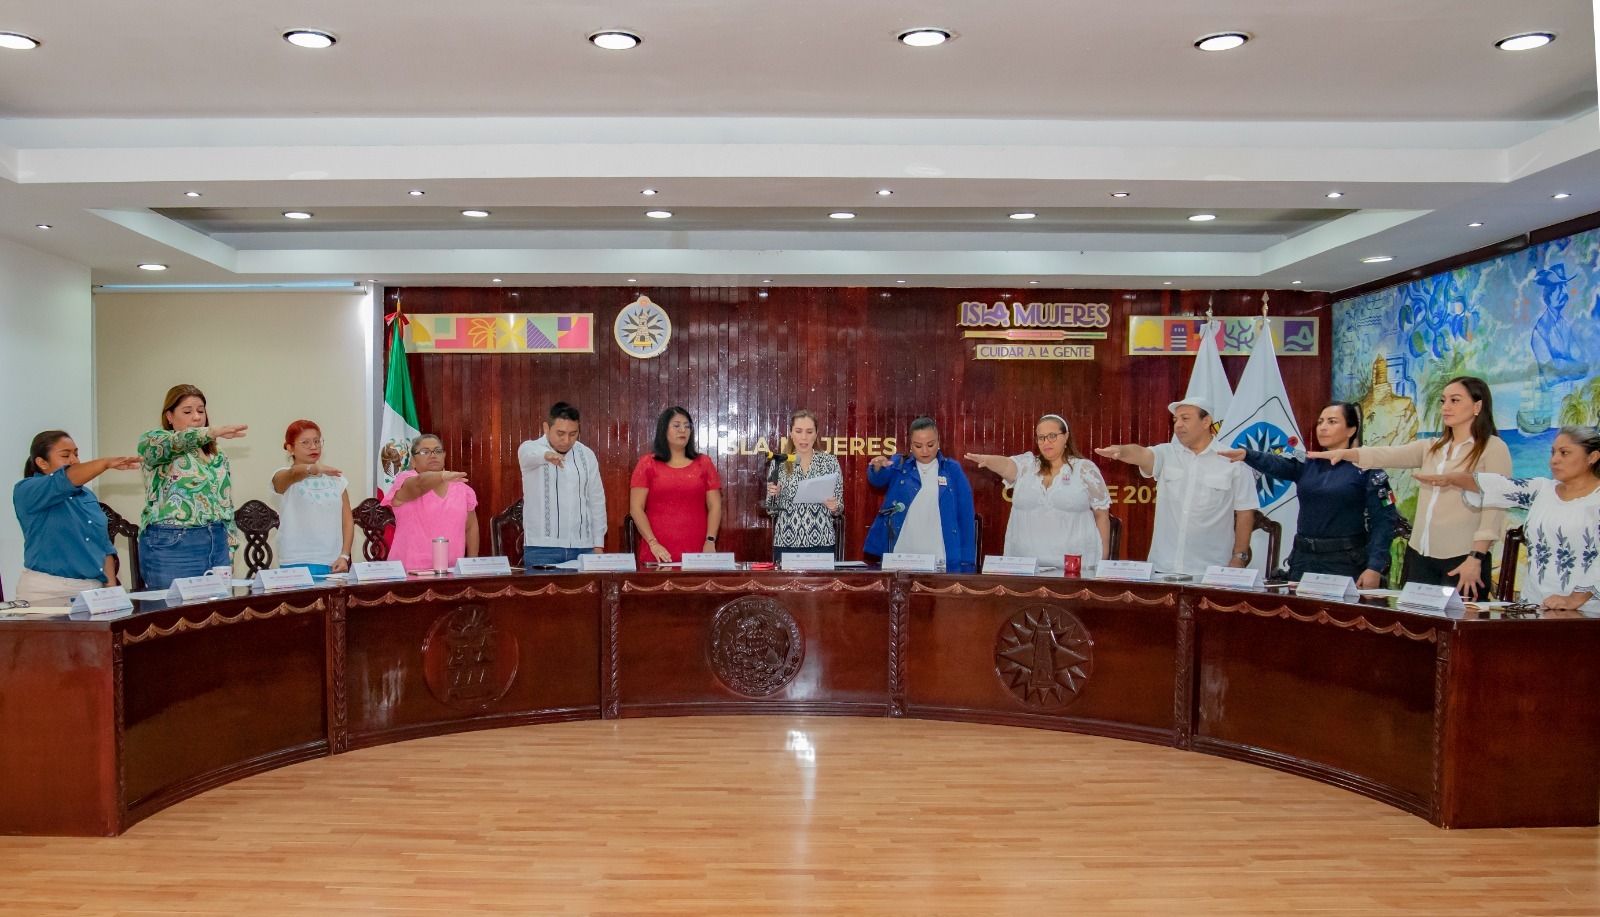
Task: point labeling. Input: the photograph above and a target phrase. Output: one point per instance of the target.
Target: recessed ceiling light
(191, 194)
(41, 225)
(310, 38)
(1202, 218)
(899, 281)
(884, 192)
(766, 281)
(615, 40)
(1474, 225)
(416, 193)
(1296, 282)
(1166, 283)
(1024, 215)
(1119, 194)
(16, 41)
(152, 266)
(1377, 259)
(841, 215)
(1527, 41)
(1560, 196)
(1222, 41)
(633, 280)
(1033, 281)
(925, 38)
(658, 214)
(297, 214)
(495, 280)
(648, 192)
(475, 213)
(1335, 194)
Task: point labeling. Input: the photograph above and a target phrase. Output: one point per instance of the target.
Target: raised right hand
(123, 463)
(450, 477)
(1110, 452)
(1232, 455)
(329, 470)
(880, 461)
(235, 431)
(556, 459)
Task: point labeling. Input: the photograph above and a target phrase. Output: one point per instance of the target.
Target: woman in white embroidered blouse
(1563, 524)
(1060, 504)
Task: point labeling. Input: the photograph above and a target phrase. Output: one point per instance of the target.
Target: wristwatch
(711, 538)
(344, 556)
(1482, 556)
(1241, 555)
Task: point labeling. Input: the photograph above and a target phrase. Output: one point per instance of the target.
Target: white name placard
(378, 571)
(999, 563)
(283, 578)
(193, 588)
(808, 561)
(1131, 571)
(1230, 577)
(914, 563)
(1427, 595)
(482, 566)
(709, 560)
(100, 601)
(1327, 586)
(600, 563)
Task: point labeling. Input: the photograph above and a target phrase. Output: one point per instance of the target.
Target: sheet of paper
(149, 595)
(1380, 593)
(815, 490)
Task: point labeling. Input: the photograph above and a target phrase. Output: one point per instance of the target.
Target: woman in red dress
(675, 497)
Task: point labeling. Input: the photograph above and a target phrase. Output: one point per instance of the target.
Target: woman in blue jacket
(928, 509)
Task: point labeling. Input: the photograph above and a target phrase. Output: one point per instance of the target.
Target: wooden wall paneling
(867, 361)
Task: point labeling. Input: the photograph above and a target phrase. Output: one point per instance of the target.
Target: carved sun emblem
(1044, 656)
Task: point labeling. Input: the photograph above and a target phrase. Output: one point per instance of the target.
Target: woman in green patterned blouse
(188, 492)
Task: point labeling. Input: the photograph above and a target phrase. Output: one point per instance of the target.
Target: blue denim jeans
(169, 552)
(549, 557)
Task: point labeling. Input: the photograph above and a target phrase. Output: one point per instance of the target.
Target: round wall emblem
(755, 646)
(468, 660)
(642, 328)
(1044, 656)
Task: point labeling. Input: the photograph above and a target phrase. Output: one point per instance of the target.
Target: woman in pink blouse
(430, 503)
(675, 496)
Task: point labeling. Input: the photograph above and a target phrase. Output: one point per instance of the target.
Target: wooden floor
(779, 815)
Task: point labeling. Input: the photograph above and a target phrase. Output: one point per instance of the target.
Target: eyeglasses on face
(429, 452)
(309, 443)
(1048, 437)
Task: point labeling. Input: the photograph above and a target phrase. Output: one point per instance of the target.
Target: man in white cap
(1205, 504)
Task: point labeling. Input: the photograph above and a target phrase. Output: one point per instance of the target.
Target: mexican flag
(399, 424)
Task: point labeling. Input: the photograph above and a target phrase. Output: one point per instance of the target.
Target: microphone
(892, 509)
(774, 459)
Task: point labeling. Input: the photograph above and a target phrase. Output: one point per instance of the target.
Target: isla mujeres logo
(1266, 437)
(643, 329)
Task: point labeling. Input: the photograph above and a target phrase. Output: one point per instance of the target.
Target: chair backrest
(116, 525)
(1506, 588)
(373, 518)
(1397, 551)
(977, 538)
(838, 537)
(510, 517)
(1274, 532)
(1115, 552)
(255, 521)
(630, 535)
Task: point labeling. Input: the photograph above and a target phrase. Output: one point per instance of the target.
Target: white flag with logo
(1260, 418)
(1207, 380)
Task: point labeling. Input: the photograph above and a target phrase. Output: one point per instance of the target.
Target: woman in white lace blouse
(1060, 504)
(1563, 526)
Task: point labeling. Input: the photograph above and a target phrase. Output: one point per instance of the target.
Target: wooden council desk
(1468, 720)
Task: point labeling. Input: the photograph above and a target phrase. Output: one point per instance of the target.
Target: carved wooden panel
(468, 659)
(755, 646)
(1044, 656)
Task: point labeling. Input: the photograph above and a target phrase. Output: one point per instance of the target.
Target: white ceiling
(755, 121)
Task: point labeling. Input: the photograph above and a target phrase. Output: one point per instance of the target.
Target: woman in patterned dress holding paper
(803, 527)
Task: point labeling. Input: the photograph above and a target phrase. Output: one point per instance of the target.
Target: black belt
(1324, 545)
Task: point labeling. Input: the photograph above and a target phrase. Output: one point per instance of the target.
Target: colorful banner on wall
(508, 332)
(1161, 335)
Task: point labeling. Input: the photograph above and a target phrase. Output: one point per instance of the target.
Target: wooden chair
(977, 538)
(255, 521)
(116, 525)
(630, 535)
(1116, 540)
(1274, 532)
(1506, 589)
(510, 517)
(372, 517)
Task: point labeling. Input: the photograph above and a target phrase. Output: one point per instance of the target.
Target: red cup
(1071, 565)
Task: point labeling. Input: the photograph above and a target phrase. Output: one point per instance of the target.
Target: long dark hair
(175, 396)
(1069, 449)
(1482, 425)
(1352, 419)
(42, 444)
(662, 449)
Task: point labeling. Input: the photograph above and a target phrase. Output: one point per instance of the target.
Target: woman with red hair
(314, 527)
